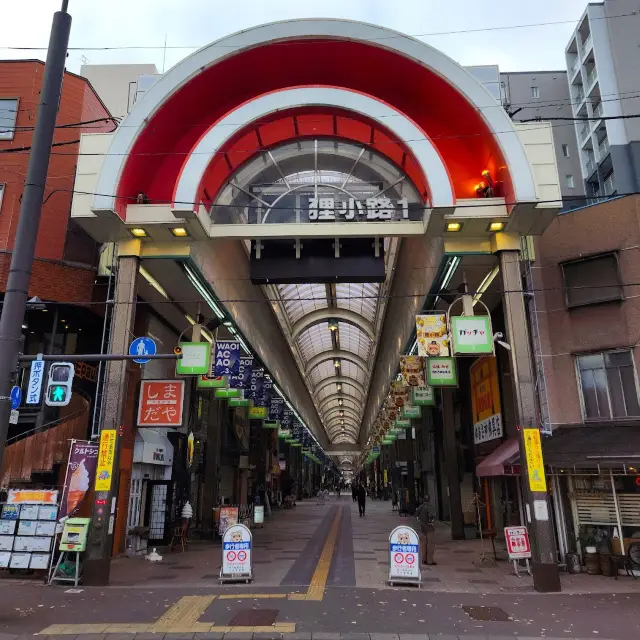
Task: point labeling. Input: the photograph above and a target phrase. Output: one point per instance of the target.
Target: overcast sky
(195, 23)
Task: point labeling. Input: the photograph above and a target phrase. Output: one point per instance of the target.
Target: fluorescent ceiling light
(190, 320)
(486, 283)
(206, 335)
(153, 282)
(453, 265)
(201, 289)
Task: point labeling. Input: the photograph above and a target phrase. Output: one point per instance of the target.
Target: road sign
(142, 347)
(13, 416)
(16, 397)
(518, 545)
(404, 556)
(35, 382)
(236, 554)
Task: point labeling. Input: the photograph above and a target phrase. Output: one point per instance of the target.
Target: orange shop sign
(161, 403)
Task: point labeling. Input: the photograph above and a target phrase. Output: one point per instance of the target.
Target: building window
(8, 115)
(608, 385)
(565, 150)
(535, 92)
(569, 179)
(592, 280)
(2, 187)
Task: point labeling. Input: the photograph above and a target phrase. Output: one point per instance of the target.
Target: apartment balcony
(579, 98)
(584, 131)
(597, 110)
(575, 66)
(603, 149)
(610, 185)
(592, 78)
(590, 165)
(587, 45)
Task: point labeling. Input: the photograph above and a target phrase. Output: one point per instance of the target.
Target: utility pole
(15, 299)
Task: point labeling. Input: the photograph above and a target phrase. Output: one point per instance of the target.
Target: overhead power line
(312, 40)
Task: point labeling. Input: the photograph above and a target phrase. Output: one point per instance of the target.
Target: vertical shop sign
(241, 381)
(535, 463)
(485, 400)
(161, 403)
(35, 382)
(226, 360)
(81, 470)
(106, 455)
(431, 335)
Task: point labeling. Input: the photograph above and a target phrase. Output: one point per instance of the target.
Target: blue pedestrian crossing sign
(142, 347)
(16, 397)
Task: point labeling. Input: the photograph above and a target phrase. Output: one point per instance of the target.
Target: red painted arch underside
(302, 123)
(455, 127)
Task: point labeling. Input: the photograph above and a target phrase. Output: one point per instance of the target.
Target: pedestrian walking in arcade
(426, 527)
(362, 499)
(354, 491)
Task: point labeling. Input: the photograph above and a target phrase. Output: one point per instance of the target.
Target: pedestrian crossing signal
(59, 384)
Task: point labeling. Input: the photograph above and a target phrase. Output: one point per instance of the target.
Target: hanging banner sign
(441, 372)
(242, 380)
(258, 413)
(81, 470)
(267, 390)
(423, 396)
(485, 400)
(106, 457)
(535, 464)
(412, 370)
(471, 335)
(404, 556)
(431, 335)
(411, 412)
(287, 421)
(399, 394)
(196, 359)
(276, 408)
(226, 360)
(256, 386)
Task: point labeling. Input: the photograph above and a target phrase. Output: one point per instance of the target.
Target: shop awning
(493, 464)
(607, 446)
(152, 447)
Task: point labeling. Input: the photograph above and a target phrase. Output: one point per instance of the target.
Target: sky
(194, 23)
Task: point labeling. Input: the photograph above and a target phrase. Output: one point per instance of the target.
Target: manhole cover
(254, 618)
(487, 614)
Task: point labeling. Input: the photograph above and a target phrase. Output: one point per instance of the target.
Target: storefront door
(158, 511)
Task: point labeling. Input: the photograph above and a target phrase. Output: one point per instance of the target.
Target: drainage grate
(254, 618)
(487, 614)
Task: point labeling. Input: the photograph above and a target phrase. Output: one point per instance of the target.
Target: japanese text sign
(404, 557)
(412, 370)
(471, 335)
(196, 359)
(161, 403)
(35, 382)
(326, 209)
(517, 539)
(485, 400)
(535, 464)
(81, 470)
(226, 358)
(106, 457)
(431, 335)
(423, 396)
(441, 372)
(236, 551)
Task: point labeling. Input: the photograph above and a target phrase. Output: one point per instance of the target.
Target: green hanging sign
(196, 359)
(227, 393)
(258, 413)
(411, 411)
(239, 402)
(400, 425)
(269, 424)
(442, 372)
(471, 335)
(423, 397)
(206, 382)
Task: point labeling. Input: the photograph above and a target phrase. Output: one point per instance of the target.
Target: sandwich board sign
(404, 557)
(236, 554)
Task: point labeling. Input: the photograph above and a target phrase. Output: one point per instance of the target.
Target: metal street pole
(15, 298)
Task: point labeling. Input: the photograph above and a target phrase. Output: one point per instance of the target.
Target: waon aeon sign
(161, 403)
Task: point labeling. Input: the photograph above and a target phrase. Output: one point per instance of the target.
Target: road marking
(320, 575)
(252, 596)
(184, 613)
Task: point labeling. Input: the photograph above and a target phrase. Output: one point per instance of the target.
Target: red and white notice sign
(161, 403)
(518, 545)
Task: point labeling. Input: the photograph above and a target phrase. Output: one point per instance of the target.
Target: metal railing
(592, 76)
(603, 149)
(590, 165)
(586, 45)
(609, 185)
(579, 97)
(584, 132)
(575, 66)
(597, 110)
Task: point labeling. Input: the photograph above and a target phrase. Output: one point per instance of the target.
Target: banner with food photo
(81, 470)
(412, 370)
(432, 335)
(399, 394)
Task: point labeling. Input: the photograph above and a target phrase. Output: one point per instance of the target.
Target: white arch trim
(335, 411)
(196, 163)
(322, 315)
(425, 55)
(340, 380)
(332, 354)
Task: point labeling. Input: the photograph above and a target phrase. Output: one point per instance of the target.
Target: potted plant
(588, 544)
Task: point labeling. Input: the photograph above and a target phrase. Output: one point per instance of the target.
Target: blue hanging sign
(242, 380)
(226, 358)
(276, 408)
(287, 419)
(267, 391)
(256, 386)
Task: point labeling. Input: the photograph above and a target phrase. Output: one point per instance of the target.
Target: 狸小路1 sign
(471, 335)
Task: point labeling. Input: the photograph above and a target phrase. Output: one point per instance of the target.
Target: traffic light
(59, 384)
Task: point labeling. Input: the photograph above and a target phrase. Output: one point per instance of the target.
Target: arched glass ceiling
(349, 171)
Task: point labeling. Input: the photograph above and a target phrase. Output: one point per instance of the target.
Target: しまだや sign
(161, 403)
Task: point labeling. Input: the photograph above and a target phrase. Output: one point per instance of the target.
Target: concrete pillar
(546, 577)
(97, 563)
(451, 464)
